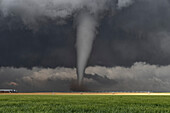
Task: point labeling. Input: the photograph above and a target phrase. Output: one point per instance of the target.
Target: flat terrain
(84, 103)
(86, 93)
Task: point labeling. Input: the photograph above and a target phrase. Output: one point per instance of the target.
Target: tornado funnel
(86, 32)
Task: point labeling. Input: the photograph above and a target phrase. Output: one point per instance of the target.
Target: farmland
(84, 103)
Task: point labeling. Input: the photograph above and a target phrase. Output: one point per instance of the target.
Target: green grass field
(84, 103)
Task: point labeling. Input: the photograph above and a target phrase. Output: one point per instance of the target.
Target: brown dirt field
(84, 93)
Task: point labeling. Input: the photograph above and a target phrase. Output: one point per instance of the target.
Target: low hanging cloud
(32, 11)
(138, 77)
(124, 3)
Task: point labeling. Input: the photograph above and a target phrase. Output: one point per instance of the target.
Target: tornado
(86, 32)
(87, 13)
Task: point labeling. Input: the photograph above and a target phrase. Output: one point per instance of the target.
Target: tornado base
(76, 87)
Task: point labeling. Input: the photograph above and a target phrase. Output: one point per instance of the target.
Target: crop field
(84, 104)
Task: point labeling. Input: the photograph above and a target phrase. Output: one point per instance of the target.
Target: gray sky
(130, 51)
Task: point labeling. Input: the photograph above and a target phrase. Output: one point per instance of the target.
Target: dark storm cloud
(136, 34)
(46, 47)
(131, 35)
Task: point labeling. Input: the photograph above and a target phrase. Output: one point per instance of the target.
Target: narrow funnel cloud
(86, 32)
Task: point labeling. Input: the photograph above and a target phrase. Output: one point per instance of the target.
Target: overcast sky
(131, 50)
